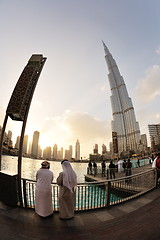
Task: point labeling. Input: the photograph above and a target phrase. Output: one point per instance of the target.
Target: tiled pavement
(138, 219)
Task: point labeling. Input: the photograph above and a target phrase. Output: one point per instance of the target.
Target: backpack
(158, 163)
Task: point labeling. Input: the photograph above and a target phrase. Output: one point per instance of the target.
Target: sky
(72, 98)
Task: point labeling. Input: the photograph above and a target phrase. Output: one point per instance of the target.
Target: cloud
(148, 88)
(158, 50)
(85, 126)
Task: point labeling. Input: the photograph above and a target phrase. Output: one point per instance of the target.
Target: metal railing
(92, 195)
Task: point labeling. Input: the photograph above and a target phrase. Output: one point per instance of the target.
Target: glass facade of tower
(154, 132)
(124, 121)
(34, 151)
(77, 150)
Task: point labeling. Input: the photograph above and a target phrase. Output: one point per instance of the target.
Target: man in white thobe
(43, 192)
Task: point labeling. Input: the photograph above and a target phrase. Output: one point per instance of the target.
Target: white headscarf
(69, 176)
(154, 162)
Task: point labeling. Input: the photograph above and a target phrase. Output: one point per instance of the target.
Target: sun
(44, 142)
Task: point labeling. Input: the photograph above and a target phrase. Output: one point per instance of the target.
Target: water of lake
(30, 167)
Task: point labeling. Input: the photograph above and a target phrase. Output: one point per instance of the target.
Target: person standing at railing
(120, 165)
(112, 169)
(103, 165)
(90, 167)
(43, 192)
(95, 168)
(124, 165)
(156, 165)
(128, 168)
(67, 181)
(138, 162)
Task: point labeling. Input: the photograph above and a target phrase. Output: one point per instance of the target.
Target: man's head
(45, 165)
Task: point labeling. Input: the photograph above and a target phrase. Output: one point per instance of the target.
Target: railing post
(24, 193)
(156, 178)
(108, 192)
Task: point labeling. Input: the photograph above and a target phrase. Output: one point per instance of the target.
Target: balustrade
(92, 195)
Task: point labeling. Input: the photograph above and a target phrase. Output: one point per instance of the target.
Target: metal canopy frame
(19, 105)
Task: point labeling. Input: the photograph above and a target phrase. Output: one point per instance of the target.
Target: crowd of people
(67, 181)
(122, 165)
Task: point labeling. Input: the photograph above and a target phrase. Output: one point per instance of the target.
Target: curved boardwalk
(137, 219)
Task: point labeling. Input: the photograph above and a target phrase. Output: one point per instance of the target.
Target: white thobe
(43, 192)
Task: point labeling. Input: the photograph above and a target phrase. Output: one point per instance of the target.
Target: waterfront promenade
(136, 219)
(98, 177)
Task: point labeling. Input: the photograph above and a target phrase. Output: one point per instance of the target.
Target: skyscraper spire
(124, 121)
(106, 49)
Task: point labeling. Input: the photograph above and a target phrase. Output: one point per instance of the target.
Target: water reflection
(30, 167)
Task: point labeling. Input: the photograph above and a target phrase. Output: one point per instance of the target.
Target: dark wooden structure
(19, 104)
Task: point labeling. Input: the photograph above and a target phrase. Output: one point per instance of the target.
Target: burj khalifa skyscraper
(124, 123)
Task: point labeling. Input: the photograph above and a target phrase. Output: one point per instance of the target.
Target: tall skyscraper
(104, 149)
(39, 151)
(17, 142)
(77, 150)
(124, 123)
(25, 144)
(95, 149)
(9, 135)
(144, 140)
(60, 154)
(9, 139)
(55, 149)
(68, 153)
(47, 153)
(154, 132)
(71, 150)
(30, 148)
(34, 150)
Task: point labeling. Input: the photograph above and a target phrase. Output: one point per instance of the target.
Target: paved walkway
(137, 219)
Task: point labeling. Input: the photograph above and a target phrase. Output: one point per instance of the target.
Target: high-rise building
(77, 150)
(25, 144)
(9, 135)
(70, 150)
(17, 142)
(47, 153)
(30, 148)
(68, 153)
(9, 139)
(95, 149)
(111, 147)
(154, 132)
(104, 149)
(144, 140)
(60, 154)
(55, 149)
(35, 141)
(39, 151)
(124, 122)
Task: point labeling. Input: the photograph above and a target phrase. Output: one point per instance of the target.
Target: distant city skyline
(34, 149)
(54, 152)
